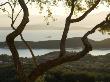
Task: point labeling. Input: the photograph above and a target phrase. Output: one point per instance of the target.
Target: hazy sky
(59, 12)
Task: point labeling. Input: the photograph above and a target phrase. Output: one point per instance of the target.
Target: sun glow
(60, 9)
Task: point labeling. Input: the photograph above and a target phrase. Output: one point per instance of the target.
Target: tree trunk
(64, 36)
(10, 42)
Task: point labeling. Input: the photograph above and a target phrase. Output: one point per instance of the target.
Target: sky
(60, 10)
(59, 13)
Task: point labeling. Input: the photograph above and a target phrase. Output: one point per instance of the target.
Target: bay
(44, 35)
(26, 53)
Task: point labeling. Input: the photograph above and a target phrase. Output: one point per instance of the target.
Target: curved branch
(12, 25)
(10, 7)
(69, 21)
(18, 14)
(86, 13)
(33, 56)
(43, 67)
(7, 3)
(23, 23)
(10, 41)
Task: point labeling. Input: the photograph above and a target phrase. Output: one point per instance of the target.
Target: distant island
(54, 44)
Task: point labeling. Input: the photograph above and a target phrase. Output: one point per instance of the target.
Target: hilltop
(54, 44)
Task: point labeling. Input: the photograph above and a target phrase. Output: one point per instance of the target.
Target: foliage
(8, 74)
(76, 7)
(106, 27)
(47, 5)
(76, 72)
(80, 4)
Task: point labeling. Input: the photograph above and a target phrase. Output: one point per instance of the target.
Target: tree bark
(43, 67)
(10, 42)
(67, 25)
(65, 32)
(63, 39)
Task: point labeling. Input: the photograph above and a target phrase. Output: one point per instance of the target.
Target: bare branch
(72, 9)
(10, 7)
(7, 13)
(12, 25)
(43, 67)
(18, 14)
(30, 49)
(33, 56)
(10, 41)
(69, 21)
(7, 3)
(65, 32)
(86, 13)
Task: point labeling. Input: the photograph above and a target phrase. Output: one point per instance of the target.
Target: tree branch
(65, 32)
(10, 7)
(10, 41)
(43, 67)
(86, 13)
(7, 3)
(12, 25)
(69, 21)
(18, 14)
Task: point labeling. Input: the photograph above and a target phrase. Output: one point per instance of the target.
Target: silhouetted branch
(7, 3)
(65, 32)
(18, 14)
(12, 25)
(6, 10)
(10, 41)
(69, 21)
(43, 67)
(86, 13)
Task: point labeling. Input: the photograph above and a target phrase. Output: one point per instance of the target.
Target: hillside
(88, 62)
(88, 69)
(54, 44)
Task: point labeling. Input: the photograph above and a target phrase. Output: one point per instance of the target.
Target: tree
(63, 57)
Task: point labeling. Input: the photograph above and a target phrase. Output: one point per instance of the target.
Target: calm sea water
(26, 53)
(43, 35)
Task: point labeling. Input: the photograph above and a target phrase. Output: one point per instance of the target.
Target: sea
(45, 35)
